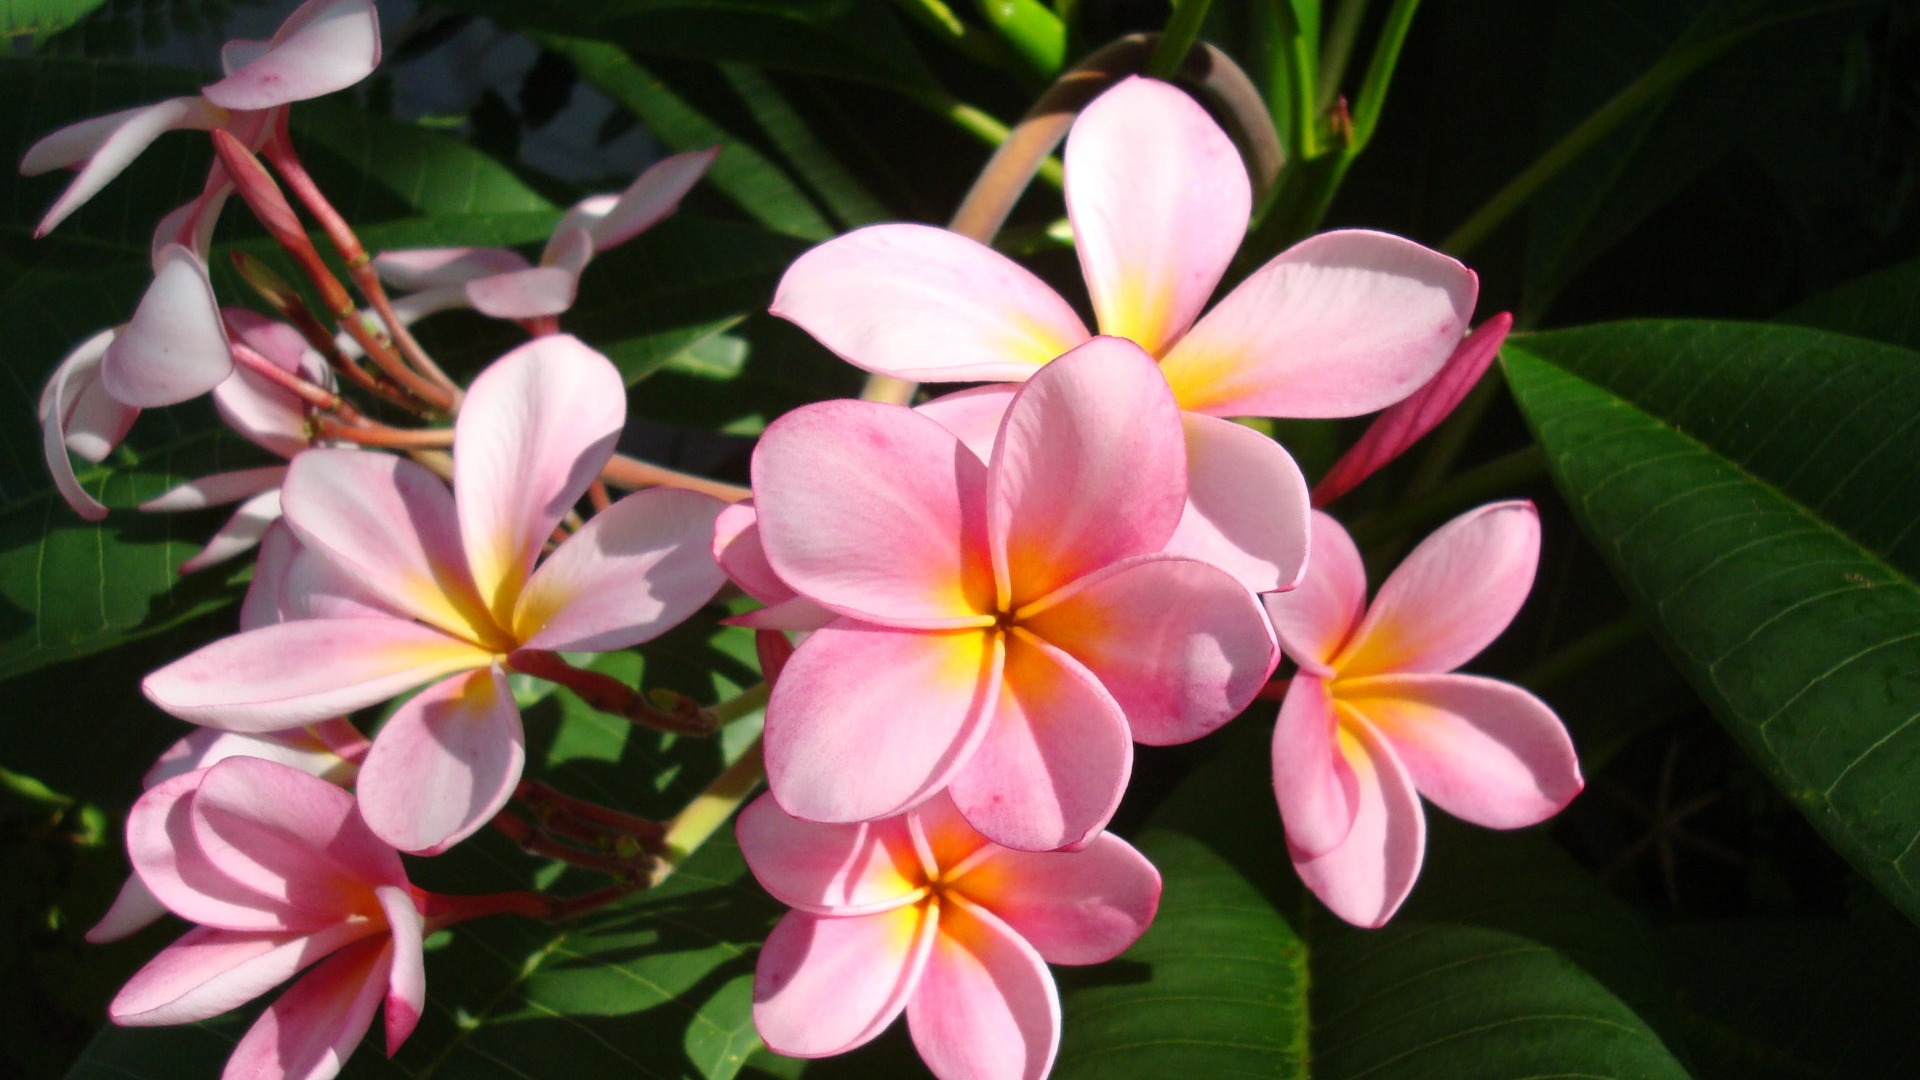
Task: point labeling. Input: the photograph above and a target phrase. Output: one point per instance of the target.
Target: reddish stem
(373, 433)
(627, 472)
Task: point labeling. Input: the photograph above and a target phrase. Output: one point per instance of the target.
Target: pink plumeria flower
(325, 45)
(1007, 627)
(330, 750)
(1377, 717)
(502, 284)
(265, 414)
(401, 583)
(78, 416)
(922, 914)
(280, 872)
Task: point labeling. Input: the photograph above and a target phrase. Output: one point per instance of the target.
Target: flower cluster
(973, 609)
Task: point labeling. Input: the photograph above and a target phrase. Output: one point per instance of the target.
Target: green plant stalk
(1297, 53)
(1183, 28)
(1337, 49)
(970, 41)
(1031, 32)
(984, 126)
(709, 810)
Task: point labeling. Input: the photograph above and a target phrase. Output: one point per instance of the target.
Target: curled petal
(547, 289)
(825, 985)
(241, 532)
(165, 851)
(973, 415)
(986, 1007)
(1313, 782)
(427, 268)
(1073, 907)
(325, 45)
(294, 673)
(839, 482)
(1451, 596)
(926, 304)
(1315, 620)
(637, 569)
(266, 414)
(298, 748)
(1180, 645)
(1340, 324)
(738, 550)
(537, 426)
(175, 347)
(1366, 878)
(839, 747)
(1052, 767)
(107, 145)
(209, 971)
(1090, 467)
(309, 1031)
(76, 409)
(218, 489)
(1155, 228)
(407, 983)
(1246, 505)
(1402, 425)
(652, 196)
(133, 910)
(829, 869)
(1483, 750)
(445, 762)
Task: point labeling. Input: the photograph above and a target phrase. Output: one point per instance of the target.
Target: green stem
(1497, 477)
(1297, 54)
(939, 20)
(1576, 655)
(1373, 87)
(1183, 28)
(1337, 49)
(988, 129)
(709, 810)
(741, 705)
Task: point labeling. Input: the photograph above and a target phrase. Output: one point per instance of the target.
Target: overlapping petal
(654, 195)
(445, 762)
(1317, 789)
(829, 869)
(825, 985)
(325, 45)
(175, 346)
(210, 971)
(1367, 877)
(407, 981)
(546, 289)
(1155, 229)
(1082, 907)
(1247, 507)
(309, 1031)
(77, 414)
(879, 296)
(164, 848)
(986, 1007)
(1315, 620)
(1340, 324)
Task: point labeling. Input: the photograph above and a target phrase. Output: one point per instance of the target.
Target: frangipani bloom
(1338, 325)
(922, 914)
(401, 583)
(501, 283)
(325, 45)
(280, 872)
(1005, 627)
(1376, 716)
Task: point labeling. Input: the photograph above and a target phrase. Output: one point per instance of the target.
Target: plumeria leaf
(1879, 306)
(1752, 487)
(42, 17)
(1507, 961)
(658, 984)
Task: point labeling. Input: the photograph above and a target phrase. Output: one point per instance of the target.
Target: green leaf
(1883, 306)
(656, 985)
(1507, 962)
(1752, 487)
(845, 39)
(19, 18)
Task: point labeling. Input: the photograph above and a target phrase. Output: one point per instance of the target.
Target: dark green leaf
(1883, 306)
(1752, 486)
(38, 17)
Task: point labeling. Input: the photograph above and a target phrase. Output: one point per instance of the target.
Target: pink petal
(175, 348)
(266, 414)
(926, 304)
(942, 836)
(1451, 596)
(973, 416)
(1090, 468)
(133, 910)
(1319, 794)
(309, 1031)
(107, 145)
(1315, 620)
(392, 526)
(537, 426)
(219, 489)
(242, 531)
(315, 587)
(64, 405)
(425, 268)
(1340, 324)
(1246, 505)
(1483, 750)
(638, 568)
(874, 512)
(209, 971)
(1073, 907)
(325, 45)
(295, 673)
(986, 1008)
(798, 613)
(1180, 645)
(444, 763)
(265, 602)
(844, 869)
(407, 983)
(1404, 424)
(652, 196)
(291, 836)
(1053, 765)
(1369, 875)
(191, 225)
(547, 289)
(166, 855)
(840, 747)
(299, 748)
(737, 548)
(1159, 201)
(825, 985)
